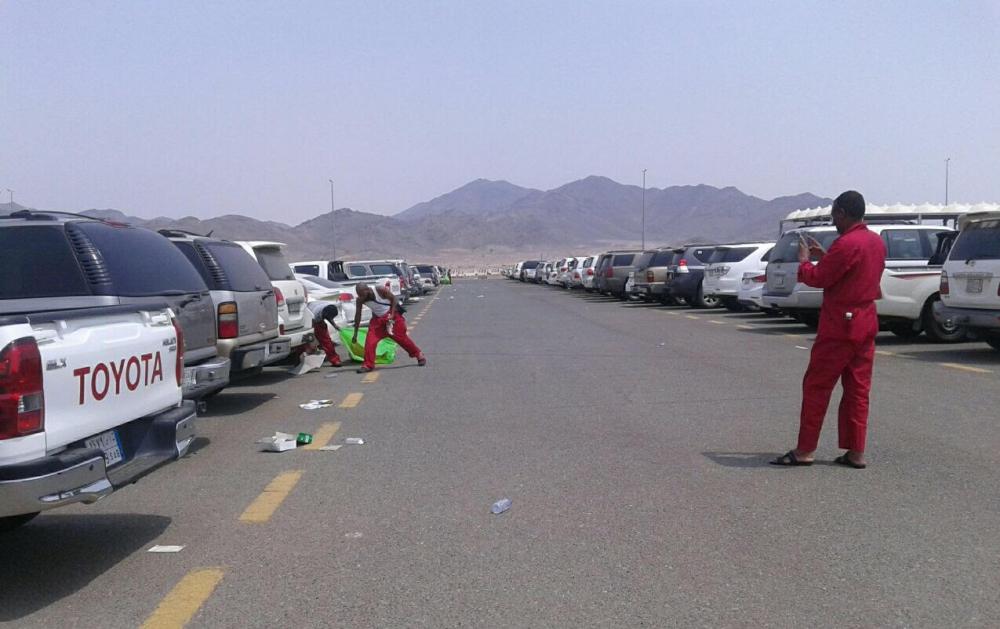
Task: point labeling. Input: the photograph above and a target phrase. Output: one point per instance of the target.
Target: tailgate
(781, 278)
(102, 371)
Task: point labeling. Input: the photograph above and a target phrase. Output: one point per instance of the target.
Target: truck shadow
(229, 403)
(55, 556)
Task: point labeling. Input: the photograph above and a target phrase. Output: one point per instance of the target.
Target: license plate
(108, 443)
(974, 285)
(189, 377)
(294, 309)
(779, 281)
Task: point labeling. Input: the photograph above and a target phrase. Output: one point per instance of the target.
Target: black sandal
(789, 459)
(846, 462)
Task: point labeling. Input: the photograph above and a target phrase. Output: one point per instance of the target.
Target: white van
(970, 280)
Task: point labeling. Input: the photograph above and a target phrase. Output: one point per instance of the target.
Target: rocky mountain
(496, 216)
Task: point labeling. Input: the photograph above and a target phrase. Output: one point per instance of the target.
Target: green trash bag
(385, 351)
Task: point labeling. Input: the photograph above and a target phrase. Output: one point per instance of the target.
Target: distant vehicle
(344, 297)
(638, 273)
(650, 283)
(566, 271)
(600, 272)
(617, 270)
(685, 278)
(726, 267)
(528, 270)
(246, 306)
(588, 272)
(970, 281)
(751, 295)
(294, 321)
(430, 275)
(352, 272)
(553, 276)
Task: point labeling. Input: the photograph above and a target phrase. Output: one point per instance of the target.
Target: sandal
(789, 459)
(846, 462)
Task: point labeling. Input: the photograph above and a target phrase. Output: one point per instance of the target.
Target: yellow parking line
(717, 322)
(370, 378)
(882, 352)
(965, 368)
(323, 436)
(673, 312)
(352, 400)
(264, 505)
(691, 316)
(793, 336)
(745, 327)
(180, 605)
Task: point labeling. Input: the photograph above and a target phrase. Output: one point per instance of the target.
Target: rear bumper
(796, 300)
(78, 474)
(205, 378)
(298, 337)
(260, 354)
(973, 318)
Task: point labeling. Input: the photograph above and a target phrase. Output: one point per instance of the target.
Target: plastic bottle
(500, 506)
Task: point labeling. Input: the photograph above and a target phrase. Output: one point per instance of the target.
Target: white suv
(726, 267)
(294, 320)
(970, 281)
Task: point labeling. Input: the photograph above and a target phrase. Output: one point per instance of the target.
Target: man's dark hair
(330, 313)
(852, 204)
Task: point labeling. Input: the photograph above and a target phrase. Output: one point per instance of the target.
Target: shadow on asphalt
(742, 459)
(229, 403)
(199, 443)
(55, 556)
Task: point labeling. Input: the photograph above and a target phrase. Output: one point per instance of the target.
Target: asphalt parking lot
(633, 441)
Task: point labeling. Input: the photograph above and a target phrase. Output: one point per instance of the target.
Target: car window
(767, 255)
(141, 262)
(904, 244)
(385, 269)
(530, 264)
(307, 269)
(322, 281)
(588, 263)
(243, 274)
(643, 259)
(357, 270)
(623, 259)
(662, 258)
(699, 254)
(787, 247)
(37, 262)
(274, 264)
(978, 241)
(426, 269)
(734, 254)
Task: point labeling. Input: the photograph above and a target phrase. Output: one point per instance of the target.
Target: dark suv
(686, 274)
(125, 265)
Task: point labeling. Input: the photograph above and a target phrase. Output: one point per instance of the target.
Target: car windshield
(384, 269)
(242, 272)
(978, 241)
(530, 264)
(307, 269)
(322, 281)
(623, 259)
(429, 270)
(38, 262)
(661, 258)
(730, 254)
(274, 264)
(642, 260)
(787, 247)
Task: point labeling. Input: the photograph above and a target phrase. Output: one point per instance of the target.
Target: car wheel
(732, 305)
(12, 522)
(940, 332)
(701, 300)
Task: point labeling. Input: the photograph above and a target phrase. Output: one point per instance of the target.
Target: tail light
(229, 320)
(563, 270)
(279, 296)
(649, 276)
(22, 400)
(759, 279)
(576, 276)
(609, 272)
(682, 266)
(682, 262)
(179, 366)
(945, 289)
(281, 328)
(346, 297)
(402, 282)
(590, 272)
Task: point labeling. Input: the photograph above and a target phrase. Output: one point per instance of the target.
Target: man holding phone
(850, 274)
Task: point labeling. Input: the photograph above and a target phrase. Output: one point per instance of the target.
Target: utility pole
(11, 192)
(947, 163)
(333, 233)
(644, 208)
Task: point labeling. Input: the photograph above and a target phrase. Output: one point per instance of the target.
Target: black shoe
(365, 370)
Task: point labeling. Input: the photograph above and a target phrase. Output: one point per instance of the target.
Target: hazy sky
(206, 108)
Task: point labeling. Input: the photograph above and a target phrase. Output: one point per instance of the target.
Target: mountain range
(485, 219)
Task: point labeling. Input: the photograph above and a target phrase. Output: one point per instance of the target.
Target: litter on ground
(307, 363)
(354, 441)
(278, 442)
(312, 405)
(165, 549)
(500, 506)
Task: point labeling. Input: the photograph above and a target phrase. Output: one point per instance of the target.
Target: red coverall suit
(377, 331)
(849, 274)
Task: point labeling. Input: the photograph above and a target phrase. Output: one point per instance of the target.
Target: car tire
(703, 301)
(732, 305)
(11, 522)
(939, 332)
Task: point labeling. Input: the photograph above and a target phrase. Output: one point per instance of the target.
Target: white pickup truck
(90, 401)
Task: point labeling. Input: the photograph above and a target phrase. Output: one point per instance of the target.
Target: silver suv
(245, 304)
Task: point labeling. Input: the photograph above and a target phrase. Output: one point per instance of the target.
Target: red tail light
(590, 272)
(609, 272)
(563, 270)
(760, 279)
(944, 289)
(683, 262)
(576, 276)
(279, 296)
(179, 366)
(649, 276)
(229, 320)
(22, 400)
(346, 297)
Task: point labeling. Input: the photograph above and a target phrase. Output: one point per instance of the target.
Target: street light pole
(333, 233)
(11, 192)
(644, 208)
(947, 163)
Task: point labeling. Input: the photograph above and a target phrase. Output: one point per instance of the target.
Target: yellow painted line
(264, 505)
(965, 368)
(745, 327)
(323, 436)
(352, 400)
(691, 316)
(793, 336)
(717, 322)
(370, 378)
(179, 606)
(673, 312)
(882, 352)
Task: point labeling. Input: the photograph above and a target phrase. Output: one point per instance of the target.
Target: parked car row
(111, 336)
(942, 275)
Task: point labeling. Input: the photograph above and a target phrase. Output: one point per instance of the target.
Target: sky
(202, 108)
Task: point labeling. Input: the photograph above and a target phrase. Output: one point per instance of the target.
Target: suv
(528, 270)
(970, 280)
(726, 268)
(910, 282)
(642, 261)
(650, 282)
(246, 306)
(616, 270)
(130, 266)
(686, 274)
(587, 272)
(294, 319)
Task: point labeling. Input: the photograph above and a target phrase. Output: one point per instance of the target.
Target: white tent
(901, 211)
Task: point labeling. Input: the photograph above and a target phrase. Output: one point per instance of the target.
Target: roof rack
(897, 213)
(181, 232)
(49, 215)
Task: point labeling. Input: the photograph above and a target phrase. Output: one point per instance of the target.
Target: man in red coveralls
(850, 275)
(386, 321)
